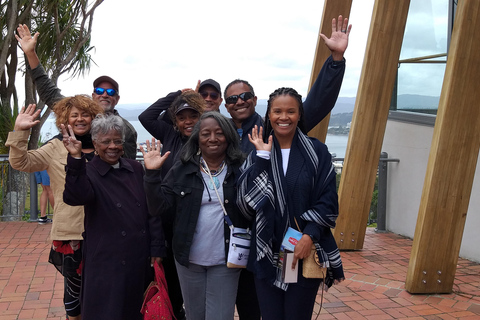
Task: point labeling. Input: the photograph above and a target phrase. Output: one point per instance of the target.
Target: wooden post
(369, 120)
(331, 9)
(451, 164)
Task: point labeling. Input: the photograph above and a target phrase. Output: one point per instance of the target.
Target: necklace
(213, 173)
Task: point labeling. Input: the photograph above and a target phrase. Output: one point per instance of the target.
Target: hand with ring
(338, 41)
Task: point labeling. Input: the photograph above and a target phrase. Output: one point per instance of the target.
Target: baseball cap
(183, 107)
(210, 82)
(106, 79)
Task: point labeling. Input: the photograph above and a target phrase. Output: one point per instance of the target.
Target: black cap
(211, 82)
(105, 79)
(183, 107)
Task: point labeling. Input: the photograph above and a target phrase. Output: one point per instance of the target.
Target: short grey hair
(103, 123)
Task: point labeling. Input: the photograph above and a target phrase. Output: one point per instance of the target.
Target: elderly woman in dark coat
(119, 235)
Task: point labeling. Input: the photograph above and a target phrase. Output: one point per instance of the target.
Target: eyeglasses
(213, 95)
(106, 143)
(100, 91)
(244, 96)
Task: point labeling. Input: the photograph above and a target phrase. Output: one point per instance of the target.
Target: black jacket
(158, 124)
(180, 195)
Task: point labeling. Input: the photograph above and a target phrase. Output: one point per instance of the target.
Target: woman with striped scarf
(289, 181)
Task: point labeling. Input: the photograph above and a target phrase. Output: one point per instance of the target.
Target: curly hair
(192, 98)
(267, 130)
(82, 102)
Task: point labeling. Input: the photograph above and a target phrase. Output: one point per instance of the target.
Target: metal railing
(382, 174)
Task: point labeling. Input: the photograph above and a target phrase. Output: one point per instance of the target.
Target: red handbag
(156, 303)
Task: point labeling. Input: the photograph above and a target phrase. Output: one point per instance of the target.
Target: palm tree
(63, 47)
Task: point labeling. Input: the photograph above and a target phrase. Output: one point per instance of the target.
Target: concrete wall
(411, 144)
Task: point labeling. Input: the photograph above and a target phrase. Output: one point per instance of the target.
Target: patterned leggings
(66, 256)
(71, 294)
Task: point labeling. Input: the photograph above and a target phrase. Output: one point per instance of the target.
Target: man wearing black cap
(212, 94)
(105, 89)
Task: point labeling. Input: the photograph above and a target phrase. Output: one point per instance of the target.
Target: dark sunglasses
(100, 91)
(213, 95)
(244, 96)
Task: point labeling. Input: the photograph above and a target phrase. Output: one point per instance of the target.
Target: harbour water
(336, 143)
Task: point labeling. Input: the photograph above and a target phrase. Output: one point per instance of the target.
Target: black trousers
(296, 303)
(247, 302)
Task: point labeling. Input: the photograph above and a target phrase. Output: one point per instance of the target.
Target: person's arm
(324, 93)
(150, 117)
(19, 157)
(78, 190)
(47, 90)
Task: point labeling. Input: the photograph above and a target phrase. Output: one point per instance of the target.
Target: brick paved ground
(31, 288)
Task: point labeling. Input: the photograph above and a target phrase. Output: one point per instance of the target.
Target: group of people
(114, 218)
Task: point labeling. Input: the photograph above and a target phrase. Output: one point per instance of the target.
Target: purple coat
(119, 236)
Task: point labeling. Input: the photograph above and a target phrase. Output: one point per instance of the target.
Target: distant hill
(340, 112)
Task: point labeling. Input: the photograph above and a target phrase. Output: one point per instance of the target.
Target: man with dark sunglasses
(105, 89)
(210, 91)
(240, 102)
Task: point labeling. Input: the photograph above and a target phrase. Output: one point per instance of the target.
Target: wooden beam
(331, 9)
(369, 120)
(451, 164)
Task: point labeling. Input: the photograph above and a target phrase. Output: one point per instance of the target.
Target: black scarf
(86, 140)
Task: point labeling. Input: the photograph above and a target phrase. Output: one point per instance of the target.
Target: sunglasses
(244, 96)
(213, 95)
(106, 143)
(100, 91)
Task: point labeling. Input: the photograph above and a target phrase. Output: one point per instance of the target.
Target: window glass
(422, 58)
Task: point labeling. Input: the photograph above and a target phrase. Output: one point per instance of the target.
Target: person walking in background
(289, 182)
(240, 102)
(67, 227)
(43, 179)
(105, 89)
(209, 163)
(122, 240)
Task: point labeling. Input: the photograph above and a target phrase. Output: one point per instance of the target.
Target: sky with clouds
(155, 47)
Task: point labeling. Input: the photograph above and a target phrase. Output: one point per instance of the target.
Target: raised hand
(256, 138)
(73, 146)
(28, 43)
(338, 41)
(26, 118)
(25, 39)
(152, 157)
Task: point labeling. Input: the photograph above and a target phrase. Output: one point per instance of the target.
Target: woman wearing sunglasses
(67, 226)
(181, 112)
(289, 182)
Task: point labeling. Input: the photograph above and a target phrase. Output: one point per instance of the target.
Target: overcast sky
(154, 47)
